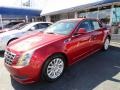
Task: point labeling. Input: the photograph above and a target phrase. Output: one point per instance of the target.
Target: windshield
(23, 26)
(63, 28)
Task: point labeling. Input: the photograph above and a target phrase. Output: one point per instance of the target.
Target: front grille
(9, 57)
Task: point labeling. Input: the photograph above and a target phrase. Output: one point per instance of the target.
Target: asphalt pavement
(100, 71)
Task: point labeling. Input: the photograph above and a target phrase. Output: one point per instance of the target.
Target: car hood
(34, 41)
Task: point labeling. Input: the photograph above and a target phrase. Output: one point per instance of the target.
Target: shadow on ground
(84, 75)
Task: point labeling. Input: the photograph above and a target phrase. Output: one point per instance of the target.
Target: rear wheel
(106, 44)
(53, 68)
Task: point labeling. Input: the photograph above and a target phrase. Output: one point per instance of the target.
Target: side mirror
(82, 31)
(32, 28)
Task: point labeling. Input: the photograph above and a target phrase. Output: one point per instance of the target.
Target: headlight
(25, 59)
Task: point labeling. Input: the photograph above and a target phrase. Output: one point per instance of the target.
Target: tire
(106, 44)
(51, 70)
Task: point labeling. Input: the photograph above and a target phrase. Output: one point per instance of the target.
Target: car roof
(40, 22)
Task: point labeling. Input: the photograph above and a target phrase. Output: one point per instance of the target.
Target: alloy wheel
(55, 68)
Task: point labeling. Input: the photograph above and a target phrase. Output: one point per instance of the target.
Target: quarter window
(96, 25)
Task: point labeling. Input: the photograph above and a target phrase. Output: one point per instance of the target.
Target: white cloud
(38, 4)
(35, 4)
(10, 3)
(54, 5)
(46, 5)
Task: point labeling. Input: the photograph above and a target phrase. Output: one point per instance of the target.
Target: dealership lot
(78, 30)
(100, 71)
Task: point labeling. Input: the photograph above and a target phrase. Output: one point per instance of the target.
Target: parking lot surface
(100, 71)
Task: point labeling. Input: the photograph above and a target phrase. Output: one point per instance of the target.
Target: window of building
(116, 19)
(70, 15)
(116, 14)
(63, 16)
(81, 14)
(55, 18)
(96, 25)
(92, 13)
(104, 14)
(42, 18)
(66, 16)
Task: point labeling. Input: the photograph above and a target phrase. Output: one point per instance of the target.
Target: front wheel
(106, 44)
(54, 68)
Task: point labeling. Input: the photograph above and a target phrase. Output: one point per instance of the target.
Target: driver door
(80, 44)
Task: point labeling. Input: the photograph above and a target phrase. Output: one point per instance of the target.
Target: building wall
(116, 14)
(98, 12)
(109, 14)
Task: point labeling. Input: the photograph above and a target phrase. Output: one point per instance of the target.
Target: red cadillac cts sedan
(46, 55)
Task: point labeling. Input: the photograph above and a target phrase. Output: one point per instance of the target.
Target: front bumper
(24, 75)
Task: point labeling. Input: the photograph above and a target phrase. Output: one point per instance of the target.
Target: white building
(106, 10)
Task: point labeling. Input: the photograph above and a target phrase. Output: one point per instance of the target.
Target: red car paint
(73, 47)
